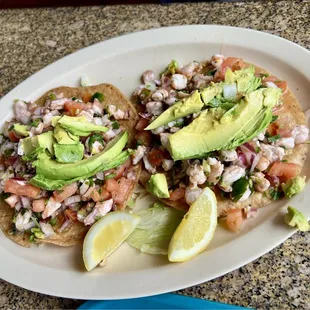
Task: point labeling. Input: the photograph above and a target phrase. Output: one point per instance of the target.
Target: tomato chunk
(95, 196)
(121, 194)
(13, 137)
(66, 192)
(74, 108)
(232, 63)
(104, 194)
(111, 185)
(156, 157)
(279, 83)
(285, 171)
(177, 194)
(21, 188)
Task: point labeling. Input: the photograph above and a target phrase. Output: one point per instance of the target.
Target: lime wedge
(106, 235)
(196, 228)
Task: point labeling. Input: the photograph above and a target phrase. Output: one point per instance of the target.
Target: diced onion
(256, 159)
(230, 91)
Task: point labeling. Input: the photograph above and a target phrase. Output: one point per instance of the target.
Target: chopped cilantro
(32, 238)
(97, 115)
(52, 96)
(275, 194)
(211, 72)
(264, 75)
(274, 138)
(115, 125)
(11, 128)
(274, 118)
(98, 96)
(97, 218)
(95, 137)
(257, 149)
(7, 153)
(35, 122)
(53, 221)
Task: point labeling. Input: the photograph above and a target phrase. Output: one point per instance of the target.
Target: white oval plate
(120, 61)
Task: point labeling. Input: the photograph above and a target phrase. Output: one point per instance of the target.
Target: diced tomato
(156, 157)
(104, 194)
(21, 188)
(279, 83)
(234, 219)
(60, 219)
(66, 192)
(272, 129)
(285, 171)
(177, 194)
(70, 214)
(143, 122)
(74, 108)
(111, 185)
(121, 194)
(232, 63)
(119, 171)
(86, 98)
(2, 160)
(38, 205)
(12, 136)
(144, 138)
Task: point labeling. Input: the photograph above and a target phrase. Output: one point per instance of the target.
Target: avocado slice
(51, 169)
(78, 125)
(21, 130)
(211, 91)
(186, 106)
(53, 184)
(158, 185)
(43, 141)
(246, 80)
(210, 131)
(68, 153)
(64, 137)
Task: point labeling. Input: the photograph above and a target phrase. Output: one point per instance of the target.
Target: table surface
(33, 38)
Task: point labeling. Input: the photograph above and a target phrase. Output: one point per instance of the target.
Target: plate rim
(195, 281)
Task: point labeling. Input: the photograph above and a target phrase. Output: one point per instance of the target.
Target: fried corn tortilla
(76, 231)
(297, 155)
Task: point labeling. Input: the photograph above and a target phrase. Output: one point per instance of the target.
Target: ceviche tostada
(65, 163)
(223, 124)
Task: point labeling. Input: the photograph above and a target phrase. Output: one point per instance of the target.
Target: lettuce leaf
(155, 229)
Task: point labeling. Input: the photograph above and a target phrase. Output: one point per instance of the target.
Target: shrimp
(300, 134)
(261, 184)
(196, 174)
(216, 170)
(191, 194)
(178, 81)
(160, 94)
(263, 164)
(229, 155)
(139, 153)
(231, 174)
(21, 112)
(154, 107)
(234, 219)
(148, 76)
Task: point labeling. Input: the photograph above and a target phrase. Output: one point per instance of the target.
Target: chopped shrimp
(164, 139)
(21, 112)
(167, 164)
(47, 118)
(88, 193)
(148, 165)
(37, 130)
(271, 152)
(229, 155)
(139, 153)
(21, 188)
(231, 174)
(38, 205)
(234, 219)
(104, 207)
(154, 107)
(88, 114)
(58, 104)
(189, 70)
(71, 200)
(287, 143)
(196, 174)
(263, 164)
(201, 80)
(177, 194)
(191, 194)
(160, 94)
(84, 187)
(51, 207)
(178, 81)
(97, 107)
(217, 60)
(148, 76)
(47, 229)
(12, 200)
(300, 134)
(66, 192)
(261, 184)
(216, 170)
(22, 220)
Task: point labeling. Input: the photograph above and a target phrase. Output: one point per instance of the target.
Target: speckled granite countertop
(32, 39)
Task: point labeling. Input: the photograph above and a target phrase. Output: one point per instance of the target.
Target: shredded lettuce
(155, 229)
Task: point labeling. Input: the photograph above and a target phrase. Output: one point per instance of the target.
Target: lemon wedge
(196, 229)
(106, 235)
